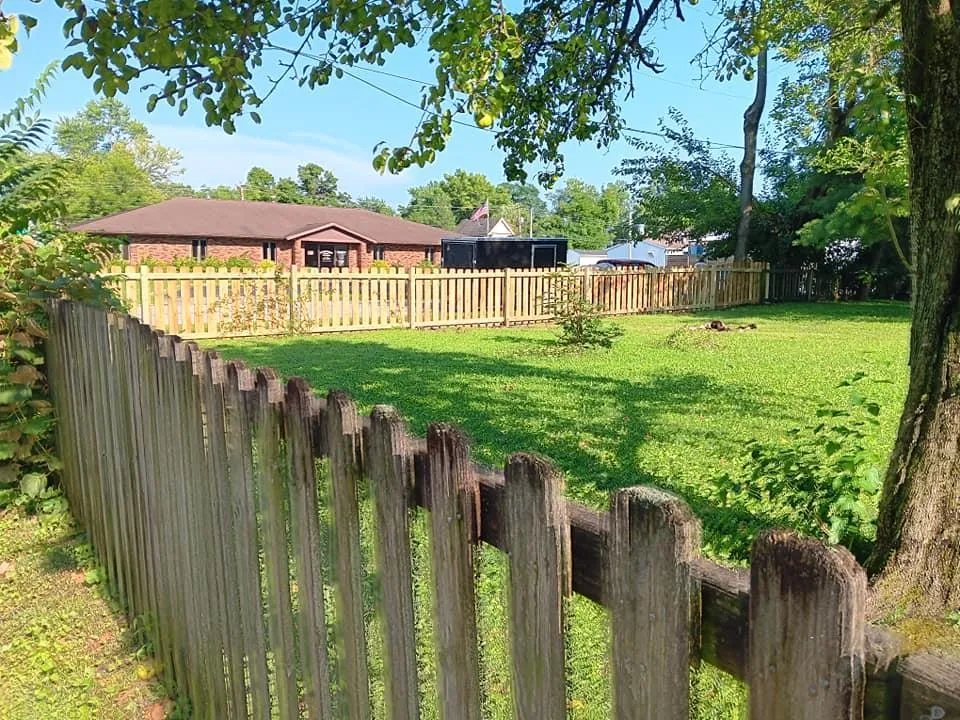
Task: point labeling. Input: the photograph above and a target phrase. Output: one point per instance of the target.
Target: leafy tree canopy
(566, 64)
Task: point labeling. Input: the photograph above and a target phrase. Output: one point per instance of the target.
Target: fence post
(507, 296)
(653, 538)
(586, 287)
(294, 296)
(807, 630)
(766, 283)
(714, 282)
(144, 293)
(412, 298)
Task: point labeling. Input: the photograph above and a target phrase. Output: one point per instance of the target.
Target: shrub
(31, 274)
(380, 265)
(581, 325)
(824, 480)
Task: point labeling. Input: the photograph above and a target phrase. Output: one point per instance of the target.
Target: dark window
(270, 251)
(378, 252)
(125, 251)
(430, 254)
(199, 248)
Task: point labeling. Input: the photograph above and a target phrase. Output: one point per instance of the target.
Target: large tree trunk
(751, 127)
(918, 534)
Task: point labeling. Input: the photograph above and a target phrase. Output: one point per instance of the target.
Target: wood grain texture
(390, 465)
(538, 541)
(298, 418)
(454, 528)
(653, 538)
(274, 501)
(930, 687)
(807, 608)
(344, 446)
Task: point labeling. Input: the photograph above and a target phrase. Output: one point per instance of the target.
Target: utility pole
(241, 193)
(531, 221)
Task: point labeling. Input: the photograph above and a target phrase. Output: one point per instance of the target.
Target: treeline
(117, 165)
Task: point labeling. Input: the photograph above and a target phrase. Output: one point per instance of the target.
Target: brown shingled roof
(199, 217)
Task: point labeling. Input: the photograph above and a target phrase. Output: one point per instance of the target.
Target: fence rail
(198, 483)
(216, 303)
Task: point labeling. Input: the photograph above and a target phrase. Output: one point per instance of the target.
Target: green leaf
(32, 484)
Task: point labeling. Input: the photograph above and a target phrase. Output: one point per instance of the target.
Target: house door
(325, 255)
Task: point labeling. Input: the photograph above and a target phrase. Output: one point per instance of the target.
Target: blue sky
(338, 126)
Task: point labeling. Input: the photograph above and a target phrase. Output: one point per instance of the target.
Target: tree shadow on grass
(592, 426)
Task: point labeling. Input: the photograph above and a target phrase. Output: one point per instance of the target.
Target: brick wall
(167, 249)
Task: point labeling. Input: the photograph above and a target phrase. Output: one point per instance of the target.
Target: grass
(664, 406)
(64, 651)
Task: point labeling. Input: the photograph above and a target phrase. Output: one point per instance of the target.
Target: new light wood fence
(198, 483)
(217, 303)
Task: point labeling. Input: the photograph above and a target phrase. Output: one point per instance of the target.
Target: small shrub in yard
(581, 324)
(824, 480)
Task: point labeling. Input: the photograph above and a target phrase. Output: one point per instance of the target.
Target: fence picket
(653, 538)
(298, 420)
(454, 502)
(807, 609)
(343, 439)
(538, 542)
(390, 460)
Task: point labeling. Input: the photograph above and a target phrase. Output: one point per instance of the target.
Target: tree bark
(751, 127)
(917, 553)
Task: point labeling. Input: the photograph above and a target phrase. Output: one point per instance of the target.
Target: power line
(670, 137)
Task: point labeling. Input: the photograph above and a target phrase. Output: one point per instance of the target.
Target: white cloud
(211, 157)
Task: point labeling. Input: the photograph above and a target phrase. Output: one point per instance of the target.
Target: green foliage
(375, 204)
(431, 205)
(684, 188)
(581, 324)
(30, 274)
(591, 217)
(824, 479)
(567, 66)
(217, 263)
(34, 268)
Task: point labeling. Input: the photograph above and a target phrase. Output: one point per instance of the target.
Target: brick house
(304, 235)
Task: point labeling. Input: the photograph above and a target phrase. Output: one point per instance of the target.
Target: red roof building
(302, 235)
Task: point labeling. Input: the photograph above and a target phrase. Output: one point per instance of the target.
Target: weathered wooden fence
(198, 483)
(217, 303)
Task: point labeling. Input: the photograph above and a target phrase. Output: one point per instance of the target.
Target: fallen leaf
(7, 568)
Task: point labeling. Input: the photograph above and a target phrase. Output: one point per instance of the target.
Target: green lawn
(657, 408)
(65, 653)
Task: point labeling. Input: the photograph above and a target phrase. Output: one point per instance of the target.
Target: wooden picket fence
(210, 303)
(198, 483)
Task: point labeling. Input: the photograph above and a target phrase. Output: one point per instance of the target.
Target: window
(270, 251)
(430, 254)
(199, 248)
(125, 251)
(379, 252)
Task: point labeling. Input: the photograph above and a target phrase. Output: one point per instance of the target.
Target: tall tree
(468, 191)
(430, 205)
(918, 532)
(319, 186)
(107, 124)
(748, 167)
(590, 217)
(260, 185)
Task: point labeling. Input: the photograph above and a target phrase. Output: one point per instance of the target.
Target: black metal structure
(486, 253)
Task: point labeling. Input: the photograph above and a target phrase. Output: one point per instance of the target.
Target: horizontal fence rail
(210, 303)
(229, 512)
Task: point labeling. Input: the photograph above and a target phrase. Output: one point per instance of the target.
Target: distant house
(479, 228)
(651, 251)
(303, 235)
(585, 257)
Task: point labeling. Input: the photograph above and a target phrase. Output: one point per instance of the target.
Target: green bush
(30, 274)
(46, 263)
(581, 325)
(823, 480)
